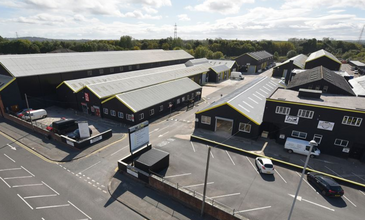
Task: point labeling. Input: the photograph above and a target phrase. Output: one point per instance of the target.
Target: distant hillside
(41, 39)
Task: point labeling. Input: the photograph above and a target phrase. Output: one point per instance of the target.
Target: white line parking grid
(178, 175)
(79, 210)
(349, 201)
(280, 176)
(118, 150)
(255, 209)
(333, 171)
(89, 167)
(9, 158)
(192, 145)
(52, 206)
(25, 201)
(230, 158)
(252, 165)
(307, 183)
(227, 195)
(195, 185)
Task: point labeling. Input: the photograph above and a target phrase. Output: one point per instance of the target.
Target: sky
(194, 19)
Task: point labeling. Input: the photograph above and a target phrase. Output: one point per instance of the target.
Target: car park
(325, 184)
(264, 165)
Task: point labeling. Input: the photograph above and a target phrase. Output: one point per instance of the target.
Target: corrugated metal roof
(321, 53)
(260, 55)
(358, 85)
(228, 63)
(196, 62)
(298, 60)
(107, 89)
(41, 64)
(4, 80)
(357, 63)
(77, 84)
(219, 69)
(251, 98)
(144, 98)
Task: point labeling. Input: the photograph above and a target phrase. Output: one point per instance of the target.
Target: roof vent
(310, 93)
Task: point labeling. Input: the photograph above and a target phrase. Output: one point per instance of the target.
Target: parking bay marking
(163, 134)
(36, 184)
(333, 171)
(358, 176)
(50, 188)
(255, 209)
(280, 176)
(5, 182)
(230, 158)
(192, 145)
(307, 183)
(118, 150)
(79, 210)
(27, 171)
(299, 198)
(17, 177)
(89, 167)
(52, 206)
(172, 176)
(221, 196)
(39, 196)
(349, 201)
(9, 158)
(362, 192)
(11, 169)
(252, 165)
(201, 184)
(25, 202)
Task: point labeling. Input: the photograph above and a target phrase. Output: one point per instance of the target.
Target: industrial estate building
(254, 62)
(297, 62)
(357, 65)
(322, 58)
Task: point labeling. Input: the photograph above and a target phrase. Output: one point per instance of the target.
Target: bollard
(233, 211)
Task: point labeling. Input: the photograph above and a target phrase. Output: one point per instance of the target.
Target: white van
(35, 114)
(300, 147)
(236, 75)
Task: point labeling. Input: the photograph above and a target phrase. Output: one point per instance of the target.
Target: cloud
(314, 4)
(139, 15)
(336, 11)
(152, 3)
(150, 10)
(183, 17)
(220, 6)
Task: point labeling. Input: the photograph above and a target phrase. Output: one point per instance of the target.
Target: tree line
(209, 48)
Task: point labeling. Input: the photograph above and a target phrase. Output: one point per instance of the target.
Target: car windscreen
(269, 166)
(336, 188)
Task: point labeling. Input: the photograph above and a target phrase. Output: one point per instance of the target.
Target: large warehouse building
(322, 58)
(298, 62)
(254, 62)
(38, 75)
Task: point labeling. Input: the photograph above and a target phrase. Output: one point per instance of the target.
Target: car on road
(325, 184)
(264, 165)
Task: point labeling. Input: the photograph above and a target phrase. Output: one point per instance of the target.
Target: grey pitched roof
(319, 73)
(107, 89)
(358, 85)
(357, 63)
(144, 98)
(260, 55)
(228, 63)
(41, 64)
(298, 61)
(321, 53)
(219, 69)
(4, 81)
(77, 84)
(196, 62)
(250, 99)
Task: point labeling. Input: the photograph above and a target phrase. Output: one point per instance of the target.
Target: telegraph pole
(26, 100)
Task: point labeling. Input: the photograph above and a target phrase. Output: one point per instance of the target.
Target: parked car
(264, 165)
(325, 184)
(35, 114)
(22, 112)
(76, 134)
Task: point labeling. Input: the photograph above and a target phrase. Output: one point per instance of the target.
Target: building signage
(138, 136)
(132, 172)
(87, 97)
(326, 125)
(98, 138)
(345, 149)
(70, 143)
(291, 119)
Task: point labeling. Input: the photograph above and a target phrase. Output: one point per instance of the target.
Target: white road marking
(313, 203)
(79, 210)
(257, 96)
(333, 171)
(252, 100)
(89, 167)
(43, 219)
(248, 104)
(358, 176)
(118, 150)
(5, 182)
(50, 188)
(362, 192)
(263, 91)
(349, 201)
(163, 134)
(201, 184)
(13, 148)
(280, 176)
(17, 177)
(192, 145)
(25, 202)
(154, 130)
(10, 169)
(36, 184)
(232, 194)
(266, 88)
(255, 209)
(260, 94)
(269, 86)
(230, 158)
(304, 163)
(307, 183)
(252, 165)
(40, 196)
(184, 174)
(9, 158)
(164, 128)
(52, 206)
(27, 171)
(243, 108)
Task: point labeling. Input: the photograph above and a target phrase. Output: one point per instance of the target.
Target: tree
(276, 55)
(201, 52)
(165, 46)
(125, 42)
(291, 53)
(217, 55)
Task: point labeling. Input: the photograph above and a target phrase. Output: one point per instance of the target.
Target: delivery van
(237, 75)
(300, 147)
(35, 114)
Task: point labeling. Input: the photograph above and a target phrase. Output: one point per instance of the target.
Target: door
(97, 111)
(357, 151)
(84, 108)
(224, 125)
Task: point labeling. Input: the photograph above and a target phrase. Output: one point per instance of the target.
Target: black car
(326, 185)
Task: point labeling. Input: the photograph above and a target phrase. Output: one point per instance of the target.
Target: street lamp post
(205, 182)
(312, 143)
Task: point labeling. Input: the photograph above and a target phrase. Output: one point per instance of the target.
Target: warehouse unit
(37, 75)
(147, 103)
(321, 78)
(322, 58)
(218, 73)
(298, 62)
(333, 121)
(231, 64)
(357, 65)
(240, 112)
(358, 85)
(254, 62)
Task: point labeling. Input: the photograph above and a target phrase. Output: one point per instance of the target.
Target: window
(245, 127)
(205, 119)
(177, 101)
(112, 112)
(121, 69)
(101, 71)
(111, 69)
(161, 108)
(310, 87)
(105, 110)
(282, 110)
(89, 73)
(182, 99)
(299, 134)
(192, 95)
(342, 143)
(348, 120)
(141, 116)
(305, 113)
(188, 97)
(130, 67)
(129, 117)
(120, 115)
(152, 111)
(137, 66)
(325, 88)
(317, 87)
(317, 138)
